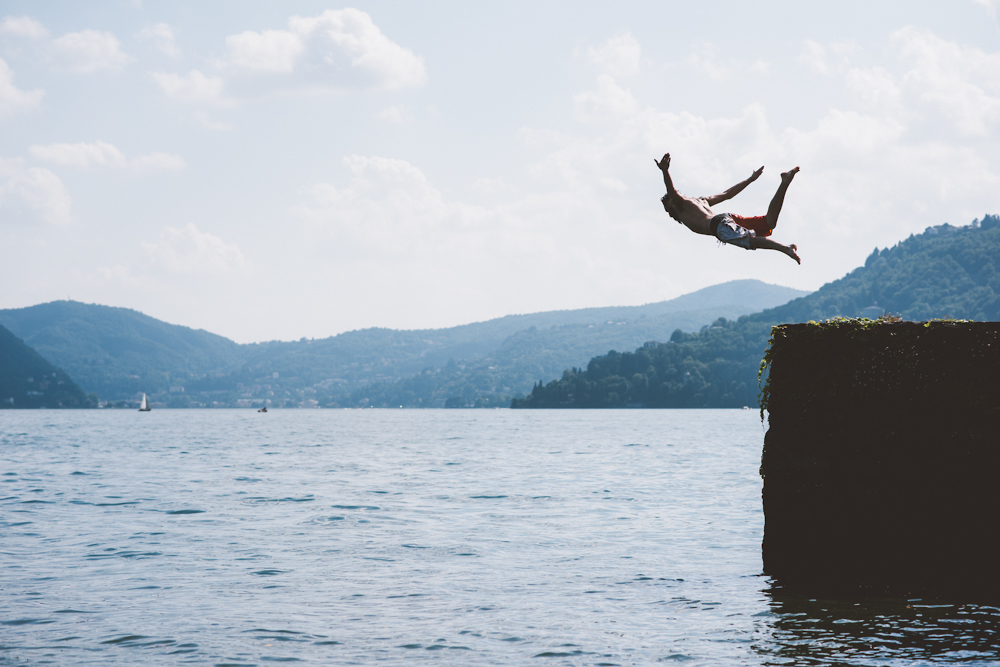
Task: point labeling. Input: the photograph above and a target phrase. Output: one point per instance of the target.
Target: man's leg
(774, 208)
(768, 244)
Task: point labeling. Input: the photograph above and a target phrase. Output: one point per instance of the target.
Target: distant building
(177, 390)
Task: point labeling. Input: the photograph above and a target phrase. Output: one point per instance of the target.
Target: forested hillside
(29, 381)
(117, 352)
(945, 272)
(510, 369)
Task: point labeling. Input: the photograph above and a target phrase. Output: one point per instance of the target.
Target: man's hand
(664, 162)
(754, 176)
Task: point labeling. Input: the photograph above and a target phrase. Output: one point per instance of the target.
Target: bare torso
(694, 212)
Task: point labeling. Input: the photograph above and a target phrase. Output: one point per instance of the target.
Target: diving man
(746, 232)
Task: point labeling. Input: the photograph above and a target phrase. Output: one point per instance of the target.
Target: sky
(273, 171)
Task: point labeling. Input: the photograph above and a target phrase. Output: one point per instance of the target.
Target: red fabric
(757, 223)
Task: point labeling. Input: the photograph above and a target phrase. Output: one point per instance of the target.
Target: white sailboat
(144, 406)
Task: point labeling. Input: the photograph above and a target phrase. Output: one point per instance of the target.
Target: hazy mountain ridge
(414, 350)
(29, 381)
(513, 368)
(117, 352)
(945, 272)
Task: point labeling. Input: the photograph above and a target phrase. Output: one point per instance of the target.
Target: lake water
(461, 537)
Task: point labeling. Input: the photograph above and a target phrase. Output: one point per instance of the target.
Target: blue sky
(279, 170)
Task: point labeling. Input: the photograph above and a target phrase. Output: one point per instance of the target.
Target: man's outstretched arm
(735, 190)
(664, 165)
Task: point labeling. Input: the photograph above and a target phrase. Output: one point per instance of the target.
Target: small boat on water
(144, 406)
(263, 409)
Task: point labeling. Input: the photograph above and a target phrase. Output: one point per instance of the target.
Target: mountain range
(118, 353)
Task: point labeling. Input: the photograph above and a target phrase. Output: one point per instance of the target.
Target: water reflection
(877, 631)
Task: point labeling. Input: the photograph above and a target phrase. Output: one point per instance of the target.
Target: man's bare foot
(792, 248)
(786, 177)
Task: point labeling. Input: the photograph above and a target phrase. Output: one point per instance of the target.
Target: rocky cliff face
(882, 457)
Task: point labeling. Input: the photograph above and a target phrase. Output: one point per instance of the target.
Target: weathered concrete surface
(881, 462)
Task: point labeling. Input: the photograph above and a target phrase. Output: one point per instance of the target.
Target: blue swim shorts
(726, 230)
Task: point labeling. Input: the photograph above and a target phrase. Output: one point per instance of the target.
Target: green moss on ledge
(845, 331)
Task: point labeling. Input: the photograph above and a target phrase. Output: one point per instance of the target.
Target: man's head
(669, 207)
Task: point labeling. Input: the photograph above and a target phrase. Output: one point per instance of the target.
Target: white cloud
(103, 154)
(88, 51)
(82, 52)
(11, 166)
(390, 224)
(828, 59)
(961, 81)
(608, 101)
(619, 56)
(158, 162)
(992, 7)
(493, 187)
(119, 274)
(195, 88)
(387, 206)
(846, 134)
(272, 51)
(202, 119)
(33, 195)
(876, 90)
(161, 36)
(13, 99)
(814, 57)
(189, 251)
(339, 49)
(395, 114)
(390, 209)
(705, 60)
(613, 184)
(97, 154)
(23, 26)
(385, 64)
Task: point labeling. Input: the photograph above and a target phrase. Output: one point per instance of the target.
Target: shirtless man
(748, 233)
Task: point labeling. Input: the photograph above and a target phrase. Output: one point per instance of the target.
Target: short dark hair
(669, 208)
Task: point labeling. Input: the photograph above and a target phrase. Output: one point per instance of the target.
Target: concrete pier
(881, 462)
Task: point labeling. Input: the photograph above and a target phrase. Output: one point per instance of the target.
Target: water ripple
(500, 537)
